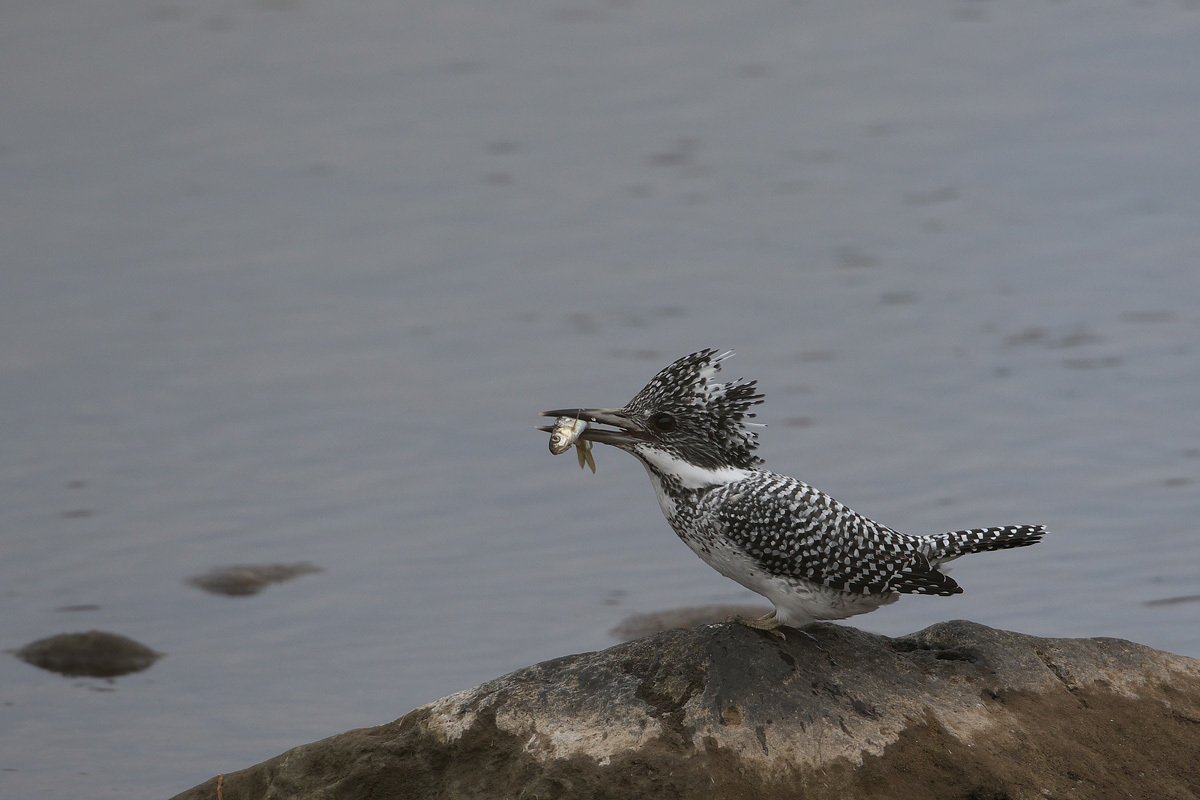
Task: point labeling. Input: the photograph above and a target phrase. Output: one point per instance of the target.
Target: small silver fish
(566, 432)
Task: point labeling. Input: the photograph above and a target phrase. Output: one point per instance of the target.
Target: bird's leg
(767, 623)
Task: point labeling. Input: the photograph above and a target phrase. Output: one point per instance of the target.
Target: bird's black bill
(626, 429)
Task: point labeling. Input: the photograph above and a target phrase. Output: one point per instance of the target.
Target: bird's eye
(663, 422)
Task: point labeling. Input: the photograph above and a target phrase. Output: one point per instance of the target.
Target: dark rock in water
(638, 625)
(241, 580)
(79, 607)
(94, 654)
(958, 710)
(1171, 601)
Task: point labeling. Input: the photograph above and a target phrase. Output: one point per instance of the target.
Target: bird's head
(683, 413)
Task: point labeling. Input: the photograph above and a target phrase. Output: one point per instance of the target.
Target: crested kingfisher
(811, 556)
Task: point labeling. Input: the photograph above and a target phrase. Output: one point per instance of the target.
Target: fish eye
(663, 422)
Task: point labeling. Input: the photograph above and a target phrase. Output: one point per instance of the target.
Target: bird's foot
(767, 623)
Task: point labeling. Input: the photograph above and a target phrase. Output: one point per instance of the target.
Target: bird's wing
(790, 528)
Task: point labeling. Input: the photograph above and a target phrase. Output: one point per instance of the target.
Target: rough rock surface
(958, 710)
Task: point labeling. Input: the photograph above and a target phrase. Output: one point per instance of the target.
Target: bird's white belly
(797, 601)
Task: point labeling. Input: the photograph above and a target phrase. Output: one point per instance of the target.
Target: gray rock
(958, 710)
(242, 580)
(94, 654)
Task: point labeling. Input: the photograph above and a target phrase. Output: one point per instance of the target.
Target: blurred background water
(285, 281)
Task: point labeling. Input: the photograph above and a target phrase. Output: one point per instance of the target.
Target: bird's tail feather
(945, 546)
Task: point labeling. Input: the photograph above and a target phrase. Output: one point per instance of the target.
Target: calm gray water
(286, 281)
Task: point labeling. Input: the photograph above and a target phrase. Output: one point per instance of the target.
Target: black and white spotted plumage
(813, 557)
